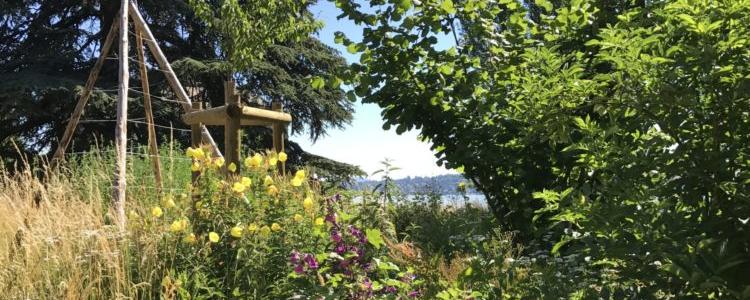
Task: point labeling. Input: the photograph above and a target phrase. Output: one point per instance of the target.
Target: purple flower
(311, 262)
(299, 269)
(391, 289)
(335, 236)
(294, 258)
(331, 218)
(358, 234)
(340, 249)
(413, 294)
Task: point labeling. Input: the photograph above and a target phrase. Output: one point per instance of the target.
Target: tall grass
(57, 242)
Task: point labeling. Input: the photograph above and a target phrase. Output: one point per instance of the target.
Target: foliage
(387, 189)
(247, 28)
(619, 128)
(439, 227)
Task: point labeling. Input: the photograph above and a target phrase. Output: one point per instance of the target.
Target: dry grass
(64, 249)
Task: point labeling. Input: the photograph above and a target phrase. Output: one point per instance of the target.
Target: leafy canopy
(247, 28)
(618, 128)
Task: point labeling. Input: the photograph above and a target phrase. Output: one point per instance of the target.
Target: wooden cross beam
(232, 116)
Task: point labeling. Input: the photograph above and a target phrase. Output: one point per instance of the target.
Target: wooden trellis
(233, 115)
(143, 34)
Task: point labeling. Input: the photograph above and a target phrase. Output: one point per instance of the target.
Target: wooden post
(232, 127)
(196, 137)
(278, 135)
(152, 146)
(86, 93)
(140, 23)
(121, 128)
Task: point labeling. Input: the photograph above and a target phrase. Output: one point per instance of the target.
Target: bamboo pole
(140, 23)
(86, 94)
(152, 144)
(121, 129)
(232, 127)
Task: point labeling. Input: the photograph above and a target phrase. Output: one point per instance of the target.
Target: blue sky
(364, 142)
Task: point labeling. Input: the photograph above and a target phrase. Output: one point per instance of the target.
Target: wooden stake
(152, 145)
(196, 137)
(78, 111)
(232, 127)
(279, 130)
(140, 23)
(121, 128)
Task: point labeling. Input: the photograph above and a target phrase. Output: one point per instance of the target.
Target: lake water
(452, 200)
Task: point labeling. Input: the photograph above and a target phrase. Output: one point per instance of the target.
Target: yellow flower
(189, 239)
(272, 161)
(246, 181)
(232, 167)
(178, 225)
(298, 218)
(195, 167)
(236, 232)
(196, 153)
(254, 161)
(213, 237)
(168, 201)
(238, 187)
(319, 221)
(308, 203)
(275, 227)
(282, 157)
(252, 228)
(272, 190)
(133, 215)
(219, 162)
(267, 181)
(296, 181)
(156, 211)
(265, 230)
(300, 174)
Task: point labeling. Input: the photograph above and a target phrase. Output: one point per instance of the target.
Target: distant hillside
(443, 184)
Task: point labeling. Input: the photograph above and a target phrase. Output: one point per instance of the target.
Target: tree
(39, 87)
(622, 123)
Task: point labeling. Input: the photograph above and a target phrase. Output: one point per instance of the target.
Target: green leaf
(558, 245)
(353, 48)
(404, 4)
(447, 7)
(544, 4)
(374, 238)
(317, 82)
(446, 69)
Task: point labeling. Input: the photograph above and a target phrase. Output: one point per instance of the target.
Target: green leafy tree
(618, 127)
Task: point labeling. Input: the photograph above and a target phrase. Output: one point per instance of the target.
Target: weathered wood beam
(250, 116)
(121, 124)
(232, 127)
(279, 131)
(196, 139)
(152, 144)
(186, 103)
